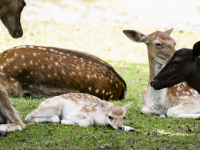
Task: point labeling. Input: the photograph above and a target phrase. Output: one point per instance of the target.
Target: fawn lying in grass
(82, 109)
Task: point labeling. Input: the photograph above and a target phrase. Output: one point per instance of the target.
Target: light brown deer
(10, 14)
(81, 109)
(179, 101)
(47, 71)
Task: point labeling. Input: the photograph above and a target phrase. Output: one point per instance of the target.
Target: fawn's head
(115, 115)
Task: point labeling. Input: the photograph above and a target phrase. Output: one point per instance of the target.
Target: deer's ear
(101, 104)
(168, 32)
(135, 36)
(196, 49)
(126, 107)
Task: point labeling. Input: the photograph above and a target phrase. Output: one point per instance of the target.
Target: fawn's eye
(124, 118)
(111, 118)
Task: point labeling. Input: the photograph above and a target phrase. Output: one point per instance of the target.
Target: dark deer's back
(47, 71)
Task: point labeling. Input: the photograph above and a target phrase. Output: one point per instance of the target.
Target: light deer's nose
(120, 127)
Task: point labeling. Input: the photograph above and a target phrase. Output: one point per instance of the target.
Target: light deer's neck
(154, 68)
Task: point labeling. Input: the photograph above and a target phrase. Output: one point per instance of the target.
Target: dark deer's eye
(111, 118)
(124, 118)
(158, 45)
(176, 62)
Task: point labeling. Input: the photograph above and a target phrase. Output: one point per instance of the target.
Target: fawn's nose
(120, 127)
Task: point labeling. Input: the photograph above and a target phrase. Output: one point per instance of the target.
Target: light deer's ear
(135, 36)
(126, 107)
(196, 49)
(168, 32)
(101, 104)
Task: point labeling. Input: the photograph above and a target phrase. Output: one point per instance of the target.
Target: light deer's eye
(158, 45)
(111, 118)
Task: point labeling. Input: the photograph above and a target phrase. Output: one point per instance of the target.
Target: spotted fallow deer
(179, 101)
(10, 14)
(81, 109)
(48, 71)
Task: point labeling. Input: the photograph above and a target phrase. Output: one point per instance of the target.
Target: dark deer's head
(10, 16)
(183, 66)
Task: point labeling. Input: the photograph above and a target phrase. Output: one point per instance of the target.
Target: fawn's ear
(196, 49)
(168, 32)
(126, 107)
(135, 36)
(101, 104)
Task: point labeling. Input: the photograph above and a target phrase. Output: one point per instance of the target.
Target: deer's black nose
(152, 82)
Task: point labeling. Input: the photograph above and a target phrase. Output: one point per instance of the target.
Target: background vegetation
(95, 26)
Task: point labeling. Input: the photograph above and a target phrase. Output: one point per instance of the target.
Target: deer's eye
(124, 118)
(158, 45)
(111, 118)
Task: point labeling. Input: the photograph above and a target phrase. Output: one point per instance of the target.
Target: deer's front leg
(8, 111)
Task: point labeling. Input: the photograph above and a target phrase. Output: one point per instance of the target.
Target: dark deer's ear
(135, 36)
(196, 49)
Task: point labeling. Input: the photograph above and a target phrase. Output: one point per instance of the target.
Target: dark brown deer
(10, 13)
(180, 101)
(47, 71)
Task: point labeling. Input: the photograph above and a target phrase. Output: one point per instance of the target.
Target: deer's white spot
(56, 63)
(15, 67)
(31, 72)
(49, 66)
(97, 91)
(79, 73)
(90, 88)
(64, 57)
(16, 84)
(42, 66)
(30, 46)
(1, 67)
(43, 48)
(52, 50)
(15, 54)
(110, 80)
(73, 72)
(116, 85)
(49, 75)
(75, 57)
(63, 72)
(39, 47)
(30, 86)
(88, 76)
(187, 93)
(34, 54)
(12, 79)
(7, 60)
(77, 67)
(31, 62)
(95, 76)
(22, 56)
(24, 64)
(111, 96)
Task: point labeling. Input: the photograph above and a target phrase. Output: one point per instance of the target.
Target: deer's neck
(154, 68)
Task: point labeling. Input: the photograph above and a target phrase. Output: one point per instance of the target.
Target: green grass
(130, 61)
(152, 132)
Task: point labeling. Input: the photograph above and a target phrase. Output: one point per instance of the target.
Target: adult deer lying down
(10, 14)
(179, 101)
(82, 109)
(47, 71)
(183, 66)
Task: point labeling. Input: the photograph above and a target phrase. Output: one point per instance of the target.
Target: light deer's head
(160, 45)
(115, 115)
